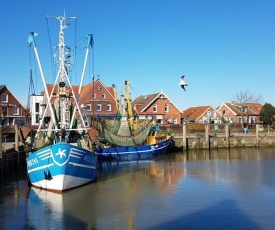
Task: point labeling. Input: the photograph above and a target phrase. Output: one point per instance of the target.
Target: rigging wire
(51, 52)
(132, 89)
(31, 86)
(75, 47)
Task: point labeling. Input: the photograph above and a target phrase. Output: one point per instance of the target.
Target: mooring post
(1, 149)
(207, 138)
(257, 135)
(184, 141)
(227, 135)
(16, 147)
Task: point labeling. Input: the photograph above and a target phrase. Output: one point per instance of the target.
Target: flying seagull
(182, 82)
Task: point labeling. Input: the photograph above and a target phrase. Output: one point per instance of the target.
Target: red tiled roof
(253, 108)
(193, 113)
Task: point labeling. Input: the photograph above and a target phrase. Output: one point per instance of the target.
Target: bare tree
(246, 96)
(241, 98)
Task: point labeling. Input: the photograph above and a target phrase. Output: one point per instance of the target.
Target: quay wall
(224, 136)
(219, 141)
(186, 137)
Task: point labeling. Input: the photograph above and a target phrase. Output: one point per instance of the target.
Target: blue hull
(61, 166)
(132, 152)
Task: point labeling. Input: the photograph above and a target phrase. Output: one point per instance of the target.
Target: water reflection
(198, 189)
(113, 200)
(246, 167)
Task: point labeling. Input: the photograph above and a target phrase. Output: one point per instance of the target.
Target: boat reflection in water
(121, 189)
(196, 190)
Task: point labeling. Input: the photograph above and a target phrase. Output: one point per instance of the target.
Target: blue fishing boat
(153, 147)
(61, 166)
(127, 137)
(60, 154)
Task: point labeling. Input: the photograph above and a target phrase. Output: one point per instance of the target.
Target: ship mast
(66, 119)
(64, 53)
(129, 104)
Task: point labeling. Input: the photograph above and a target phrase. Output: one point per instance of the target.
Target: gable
(12, 99)
(96, 87)
(228, 108)
(144, 102)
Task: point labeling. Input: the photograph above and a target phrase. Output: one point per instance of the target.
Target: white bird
(182, 82)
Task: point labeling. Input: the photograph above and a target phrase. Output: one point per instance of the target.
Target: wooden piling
(227, 135)
(1, 143)
(257, 135)
(207, 138)
(184, 139)
(16, 136)
(16, 129)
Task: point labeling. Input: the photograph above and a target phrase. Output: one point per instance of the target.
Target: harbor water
(217, 189)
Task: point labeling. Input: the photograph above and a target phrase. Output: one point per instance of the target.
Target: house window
(155, 108)
(4, 98)
(15, 110)
(103, 96)
(159, 121)
(36, 107)
(166, 108)
(109, 107)
(98, 107)
(94, 96)
(175, 121)
(168, 120)
(88, 107)
(37, 118)
(214, 114)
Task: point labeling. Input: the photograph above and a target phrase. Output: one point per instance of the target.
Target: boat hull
(61, 166)
(132, 152)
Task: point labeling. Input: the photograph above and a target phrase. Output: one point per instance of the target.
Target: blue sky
(221, 46)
